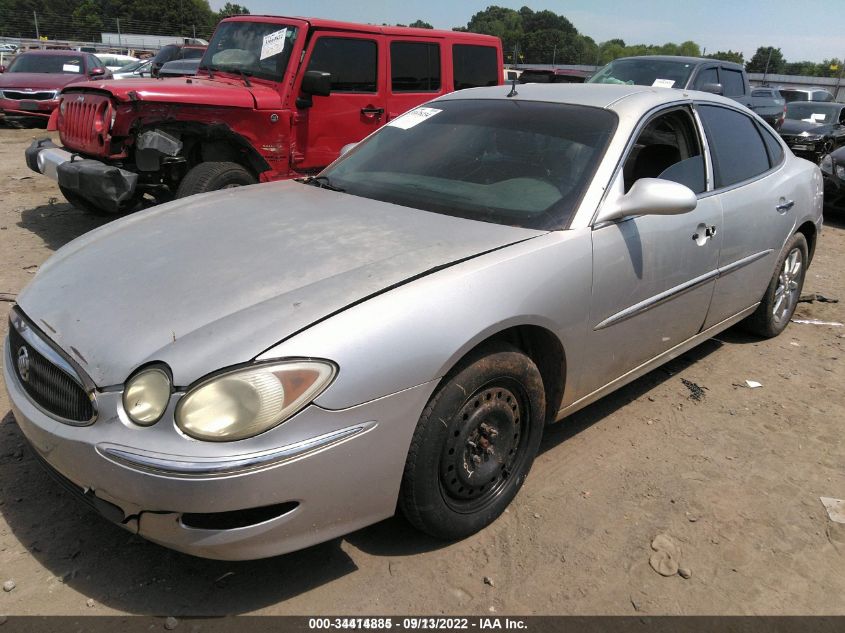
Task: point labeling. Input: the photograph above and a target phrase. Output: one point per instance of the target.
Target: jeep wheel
(213, 176)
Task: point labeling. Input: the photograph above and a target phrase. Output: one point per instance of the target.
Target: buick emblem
(23, 364)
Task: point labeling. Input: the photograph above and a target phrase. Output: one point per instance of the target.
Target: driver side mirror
(715, 89)
(2, 68)
(97, 72)
(316, 82)
(651, 196)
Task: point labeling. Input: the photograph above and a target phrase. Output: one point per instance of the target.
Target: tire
(90, 207)
(781, 298)
(485, 420)
(213, 176)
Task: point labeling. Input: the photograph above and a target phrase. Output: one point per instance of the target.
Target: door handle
(373, 112)
(785, 206)
(710, 231)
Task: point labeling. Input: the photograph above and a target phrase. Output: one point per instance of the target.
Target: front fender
(415, 333)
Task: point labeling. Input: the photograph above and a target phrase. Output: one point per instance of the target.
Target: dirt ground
(734, 480)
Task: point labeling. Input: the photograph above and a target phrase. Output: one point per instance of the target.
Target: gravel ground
(731, 476)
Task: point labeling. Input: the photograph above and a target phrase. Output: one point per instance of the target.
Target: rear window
(414, 66)
(193, 53)
(735, 143)
(474, 66)
(732, 82)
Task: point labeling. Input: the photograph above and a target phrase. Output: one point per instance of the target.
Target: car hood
(796, 126)
(214, 280)
(220, 91)
(43, 81)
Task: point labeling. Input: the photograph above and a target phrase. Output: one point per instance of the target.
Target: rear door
(416, 70)
(358, 100)
(758, 203)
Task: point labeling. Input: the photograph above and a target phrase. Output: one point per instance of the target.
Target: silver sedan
(248, 372)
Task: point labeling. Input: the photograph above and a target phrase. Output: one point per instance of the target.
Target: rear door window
(736, 146)
(474, 66)
(353, 63)
(773, 147)
(415, 66)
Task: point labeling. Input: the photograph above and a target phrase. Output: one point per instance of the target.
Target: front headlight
(826, 164)
(146, 395)
(62, 106)
(246, 402)
(806, 136)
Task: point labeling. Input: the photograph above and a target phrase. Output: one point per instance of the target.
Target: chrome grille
(50, 387)
(44, 95)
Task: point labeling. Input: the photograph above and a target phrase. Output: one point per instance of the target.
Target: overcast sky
(804, 30)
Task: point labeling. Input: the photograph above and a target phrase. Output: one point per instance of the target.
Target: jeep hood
(221, 91)
(215, 279)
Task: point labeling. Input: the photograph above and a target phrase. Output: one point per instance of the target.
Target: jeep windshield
(518, 163)
(644, 72)
(256, 49)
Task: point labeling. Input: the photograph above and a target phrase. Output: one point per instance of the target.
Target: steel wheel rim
(788, 286)
(476, 463)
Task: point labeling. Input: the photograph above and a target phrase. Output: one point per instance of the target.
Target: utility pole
(768, 59)
(119, 45)
(37, 33)
(554, 56)
(839, 80)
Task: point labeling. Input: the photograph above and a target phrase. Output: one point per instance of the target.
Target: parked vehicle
(180, 68)
(270, 119)
(552, 76)
(30, 86)
(264, 369)
(833, 170)
(8, 48)
(114, 62)
(693, 73)
(174, 52)
(136, 70)
(813, 129)
(805, 94)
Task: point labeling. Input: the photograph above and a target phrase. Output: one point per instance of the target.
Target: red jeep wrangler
(275, 98)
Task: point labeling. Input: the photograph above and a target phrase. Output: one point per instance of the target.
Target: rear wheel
(474, 443)
(213, 176)
(781, 298)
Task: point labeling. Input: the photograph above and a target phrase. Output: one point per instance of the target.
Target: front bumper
(105, 186)
(324, 488)
(25, 108)
(834, 192)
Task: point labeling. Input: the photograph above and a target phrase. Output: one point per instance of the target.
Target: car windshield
(67, 64)
(132, 66)
(517, 163)
(259, 49)
(812, 112)
(193, 53)
(644, 72)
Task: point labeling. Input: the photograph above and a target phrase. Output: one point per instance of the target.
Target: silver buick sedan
(248, 372)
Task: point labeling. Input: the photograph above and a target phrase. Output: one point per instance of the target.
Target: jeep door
(357, 103)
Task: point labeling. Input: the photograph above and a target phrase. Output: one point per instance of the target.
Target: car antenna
(513, 92)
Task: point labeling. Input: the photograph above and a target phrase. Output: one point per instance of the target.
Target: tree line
(528, 36)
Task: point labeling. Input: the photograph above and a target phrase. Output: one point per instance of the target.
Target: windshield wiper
(210, 70)
(322, 182)
(243, 76)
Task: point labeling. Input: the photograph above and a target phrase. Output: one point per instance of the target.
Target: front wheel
(213, 176)
(474, 443)
(784, 290)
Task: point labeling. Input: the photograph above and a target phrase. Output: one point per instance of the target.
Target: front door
(653, 275)
(357, 103)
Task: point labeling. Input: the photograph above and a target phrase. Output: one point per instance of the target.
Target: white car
(116, 62)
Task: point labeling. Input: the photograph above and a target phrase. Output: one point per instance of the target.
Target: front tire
(213, 176)
(781, 298)
(474, 443)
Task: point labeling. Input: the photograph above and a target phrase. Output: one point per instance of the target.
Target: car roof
(608, 96)
(685, 60)
(57, 52)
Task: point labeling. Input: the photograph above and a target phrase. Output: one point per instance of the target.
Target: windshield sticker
(414, 117)
(817, 117)
(70, 68)
(273, 44)
(663, 83)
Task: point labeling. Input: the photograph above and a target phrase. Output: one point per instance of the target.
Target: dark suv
(173, 52)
